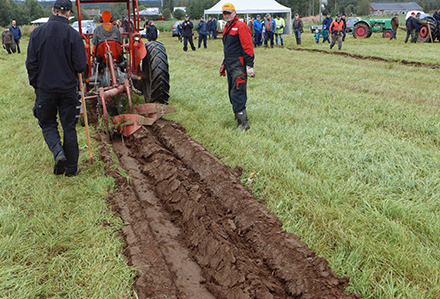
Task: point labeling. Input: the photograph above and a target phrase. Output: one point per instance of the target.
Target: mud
(358, 56)
(194, 231)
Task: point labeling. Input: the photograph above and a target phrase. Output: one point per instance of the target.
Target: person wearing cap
(411, 28)
(187, 32)
(269, 30)
(238, 61)
(202, 30)
(297, 28)
(258, 29)
(419, 23)
(15, 30)
(327, 22)
(394, 26)
(55, 56)
(106, 31)
(8, 41)
(336, 32)
(280, 24)
(344, 27)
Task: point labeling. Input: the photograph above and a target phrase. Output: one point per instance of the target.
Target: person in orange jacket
(336, 29)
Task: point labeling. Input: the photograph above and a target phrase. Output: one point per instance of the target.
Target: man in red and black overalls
(239, 57)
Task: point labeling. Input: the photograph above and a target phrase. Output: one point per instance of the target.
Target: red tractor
(114, 68)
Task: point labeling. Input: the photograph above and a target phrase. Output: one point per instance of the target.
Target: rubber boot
(242, 120)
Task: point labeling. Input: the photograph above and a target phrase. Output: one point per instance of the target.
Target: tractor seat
(115, 48)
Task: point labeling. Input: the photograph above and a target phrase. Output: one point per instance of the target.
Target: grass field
(344, 151)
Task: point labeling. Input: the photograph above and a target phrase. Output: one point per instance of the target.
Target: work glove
(250, 71)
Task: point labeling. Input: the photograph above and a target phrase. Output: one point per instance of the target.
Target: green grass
(58, 238)
(346, 151)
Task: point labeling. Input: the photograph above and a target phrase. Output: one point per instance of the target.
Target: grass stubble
(344, 151)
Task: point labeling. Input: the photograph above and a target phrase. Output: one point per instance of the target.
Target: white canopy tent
(248, 7)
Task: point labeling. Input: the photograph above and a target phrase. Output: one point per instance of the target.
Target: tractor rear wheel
(424, 35)
(156, 82)
(361, 31)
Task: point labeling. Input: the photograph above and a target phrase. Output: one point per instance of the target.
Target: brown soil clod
(194, 231)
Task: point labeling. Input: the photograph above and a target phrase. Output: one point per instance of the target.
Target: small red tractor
(114, 69)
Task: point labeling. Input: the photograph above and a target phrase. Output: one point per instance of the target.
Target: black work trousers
(202, 37)
(17, 44)
(67, 105)
(268, 36)
(237, 83)
(185, 43)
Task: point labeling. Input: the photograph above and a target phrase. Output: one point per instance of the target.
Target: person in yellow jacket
(336, 31)
(279, 30)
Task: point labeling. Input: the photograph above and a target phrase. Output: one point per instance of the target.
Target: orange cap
(229, 7)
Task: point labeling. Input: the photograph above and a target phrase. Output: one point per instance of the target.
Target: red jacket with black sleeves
(237, 42)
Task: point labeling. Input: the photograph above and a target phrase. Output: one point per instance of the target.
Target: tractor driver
(106, 31)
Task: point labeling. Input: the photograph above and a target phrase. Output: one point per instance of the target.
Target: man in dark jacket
(209, 23)
(411, 28)
(8, 41)
(344, 26)
(419, 23)
(56, 54)
(125, 26)
(15, 30)
(214, 27)
(151, 32)
(202, 30)
(297, 28)
(239, 55)
(187, 32)
(436, 16)
(394, 26)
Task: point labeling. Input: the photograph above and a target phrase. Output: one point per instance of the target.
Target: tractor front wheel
(156, 81)
(361, 31)
(424, 34)
(386, 34)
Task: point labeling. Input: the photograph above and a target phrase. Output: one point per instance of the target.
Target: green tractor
(364, 28)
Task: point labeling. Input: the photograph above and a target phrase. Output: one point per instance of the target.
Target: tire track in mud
(373, 58)
(196, 232)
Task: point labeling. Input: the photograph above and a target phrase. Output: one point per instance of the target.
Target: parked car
(175, 31)
(86, 26)
(350, 23)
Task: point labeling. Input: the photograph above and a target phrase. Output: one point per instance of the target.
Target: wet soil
(358, 56)
(194, 231)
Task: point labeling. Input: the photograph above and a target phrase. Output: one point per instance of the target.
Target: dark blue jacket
(187, 27)
(16, 32)
(202, 28)
(151, 32)
(410, 23)
(214, 25)
(327, 22)
(55, 56)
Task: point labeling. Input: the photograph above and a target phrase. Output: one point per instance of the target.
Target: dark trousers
(258, 39)
(185, 43)
(237, 81)
(47, 104)
(10, 48)
(215, 33)
(413, 35)
(202, 37)
(336, 37)
(344, 33)
(268, 35)
(17, 44)
(393, 34)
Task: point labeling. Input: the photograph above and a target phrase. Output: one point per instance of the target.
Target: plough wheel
(156, 85)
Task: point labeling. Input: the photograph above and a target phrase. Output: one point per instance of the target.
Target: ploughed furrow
(209, 234)
(374, 58)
